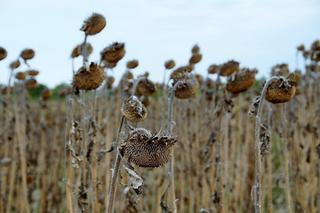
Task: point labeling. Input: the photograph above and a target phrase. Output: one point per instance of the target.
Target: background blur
(256, 33)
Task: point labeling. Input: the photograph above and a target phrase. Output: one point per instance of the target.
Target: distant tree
(36, 92)
(57, 89)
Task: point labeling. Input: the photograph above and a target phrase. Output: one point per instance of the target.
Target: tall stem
(258, 163)
(112, 191)
(171, 161)
(287, 162)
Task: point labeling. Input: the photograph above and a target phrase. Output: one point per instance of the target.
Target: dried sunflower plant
(276, 90)
(81, 144)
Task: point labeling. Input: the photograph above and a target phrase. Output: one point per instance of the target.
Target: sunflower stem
(258, 164)
(171, 161)
(113, 185)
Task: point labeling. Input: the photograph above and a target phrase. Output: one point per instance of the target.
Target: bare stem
(84, 50)
(287, 163)
(116, 166)
(171, 161)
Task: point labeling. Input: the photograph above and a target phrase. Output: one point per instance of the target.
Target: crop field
(226, 141)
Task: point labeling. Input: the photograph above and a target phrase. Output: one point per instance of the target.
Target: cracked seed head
(94, 24)
(146, 150)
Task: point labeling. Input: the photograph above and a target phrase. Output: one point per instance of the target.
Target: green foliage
(36, 92)
(57, 89)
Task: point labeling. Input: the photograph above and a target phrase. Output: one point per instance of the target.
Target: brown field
(213, 147)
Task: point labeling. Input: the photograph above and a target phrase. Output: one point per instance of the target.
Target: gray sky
(258, 33)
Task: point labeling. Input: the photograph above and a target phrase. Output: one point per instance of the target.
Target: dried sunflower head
(315, 56)
(229, 68)
(280, 91)
(20, 76)
(27, 54)
(113, 53)
(3, 53)
(294, 78)
(195, 58)
(301, 48)
(213, 69)
(170, 64)
(146, 150)
(31, 83)
(32, 73)
(15, 64)
(132, 64)
(145, 87)
(280, 70)
(94, 24)
(77, 51)
(46, 94)
(88, 79)
(315, 46)
(133, 110)
(186, 87)
(195, 49)
(241, 81)
(180, 72)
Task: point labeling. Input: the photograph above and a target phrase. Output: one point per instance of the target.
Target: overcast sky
(258, 33)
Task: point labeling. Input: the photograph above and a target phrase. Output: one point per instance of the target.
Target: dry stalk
(258, 162)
